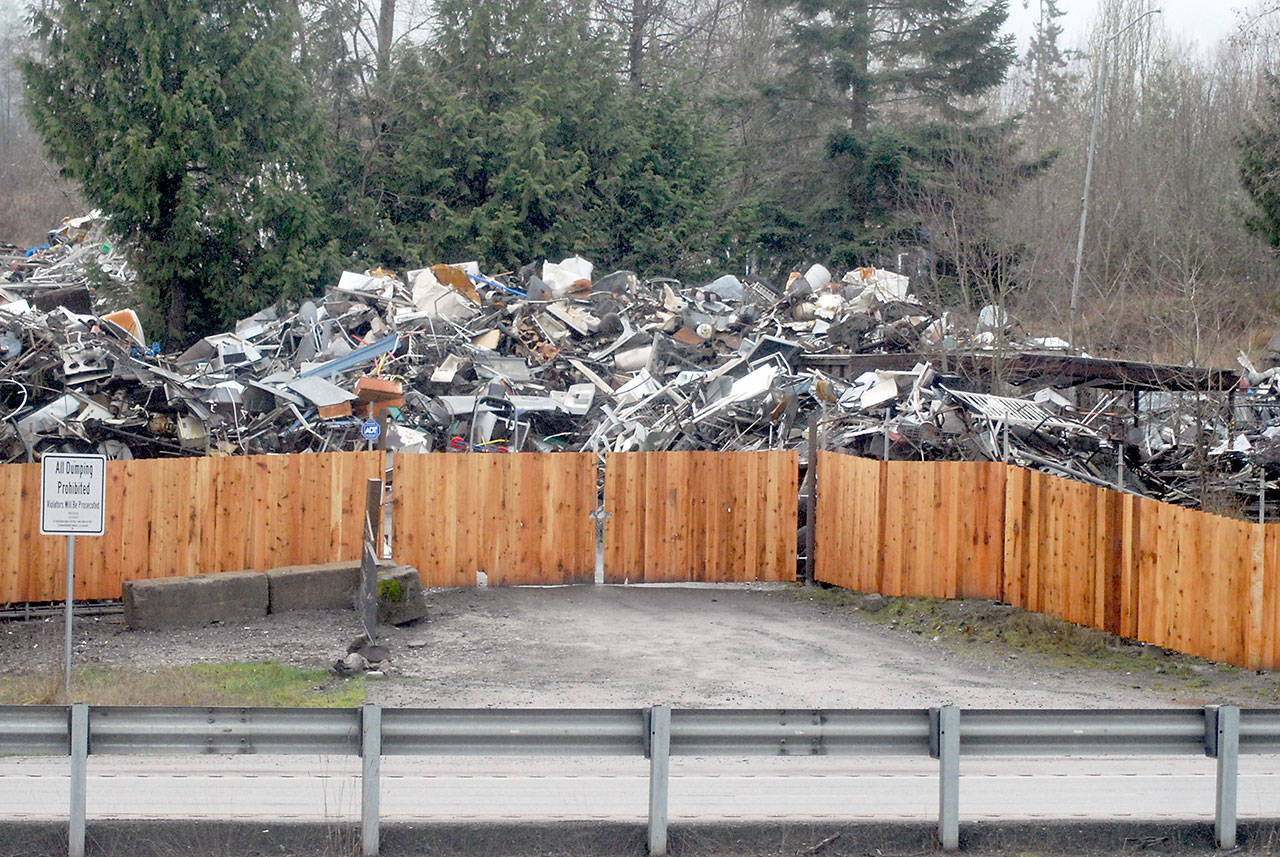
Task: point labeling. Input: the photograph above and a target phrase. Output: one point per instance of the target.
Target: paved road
(312, 788)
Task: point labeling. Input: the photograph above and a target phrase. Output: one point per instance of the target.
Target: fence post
(811, 502)
(948, 744)
(1227, 747)
(79, 778)
(659, 777)
(370, 777)
(369, 557)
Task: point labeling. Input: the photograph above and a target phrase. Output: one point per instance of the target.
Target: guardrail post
(370, 777)
(1228, 753)
(79, 778)
(948, 744)
(659, 777)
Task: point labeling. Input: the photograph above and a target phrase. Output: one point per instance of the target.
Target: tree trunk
(859, 107)
(177, 314)
(635, 40)
(386, 29)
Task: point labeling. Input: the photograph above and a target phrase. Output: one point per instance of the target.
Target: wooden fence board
(1266, 644)
(849, 536)
(700, 516)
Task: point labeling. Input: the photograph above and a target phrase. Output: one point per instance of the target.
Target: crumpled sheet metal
(579, 358)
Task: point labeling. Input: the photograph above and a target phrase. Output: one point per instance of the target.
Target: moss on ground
(987, 629)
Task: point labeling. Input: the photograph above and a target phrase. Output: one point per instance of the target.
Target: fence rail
(658, 732)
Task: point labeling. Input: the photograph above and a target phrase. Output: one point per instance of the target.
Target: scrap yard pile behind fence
(1179, 578)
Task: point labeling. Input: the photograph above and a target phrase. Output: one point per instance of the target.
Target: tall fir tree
(856, 61)
(188, 123)
(859, 84)
(1046, 65)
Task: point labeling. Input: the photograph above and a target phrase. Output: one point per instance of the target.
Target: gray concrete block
(326, 586)
(177, 602)
(400, 596)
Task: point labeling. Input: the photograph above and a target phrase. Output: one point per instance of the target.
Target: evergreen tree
(1260, 166)
(512, 137)
(860, 84)
(1046, 65)
(188, 123)
(859, 60)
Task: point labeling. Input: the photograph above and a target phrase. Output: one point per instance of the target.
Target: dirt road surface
(684, 645)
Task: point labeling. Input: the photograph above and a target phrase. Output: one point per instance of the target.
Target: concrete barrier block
(325, 586)
(400, 596)
(176, 602)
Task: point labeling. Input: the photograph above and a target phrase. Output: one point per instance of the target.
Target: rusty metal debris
(557, 356)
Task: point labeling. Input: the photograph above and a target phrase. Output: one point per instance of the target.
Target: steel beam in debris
(1059, 370)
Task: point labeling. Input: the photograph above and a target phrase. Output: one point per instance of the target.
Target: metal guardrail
(658, 732)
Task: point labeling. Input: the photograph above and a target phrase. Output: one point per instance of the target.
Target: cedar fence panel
(1068, 550)
(700, 516)
(1163, 574)
(911, 528)
(521, 518)
(186, 516)
(850, 515)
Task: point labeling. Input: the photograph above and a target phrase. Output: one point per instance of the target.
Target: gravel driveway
(685, 645)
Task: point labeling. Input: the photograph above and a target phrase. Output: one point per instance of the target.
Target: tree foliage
(859, 88)
(1260, 166)
(188, 123)
(858, 60)
(512, 137)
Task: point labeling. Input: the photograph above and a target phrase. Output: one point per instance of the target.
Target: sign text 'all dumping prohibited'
(73, 492)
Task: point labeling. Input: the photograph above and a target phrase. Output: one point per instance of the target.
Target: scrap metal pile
(556, 357)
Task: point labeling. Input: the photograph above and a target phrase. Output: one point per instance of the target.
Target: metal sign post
(73, 491)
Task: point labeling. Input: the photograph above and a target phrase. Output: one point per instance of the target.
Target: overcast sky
(1202, 21)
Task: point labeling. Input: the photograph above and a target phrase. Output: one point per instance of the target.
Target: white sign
(73, 492)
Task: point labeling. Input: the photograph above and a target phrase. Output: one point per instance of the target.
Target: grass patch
(258, 683)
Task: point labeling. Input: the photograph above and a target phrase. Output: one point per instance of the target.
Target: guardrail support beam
(79, 778)
(1228, 747)
(370, 778)
(949, 777)
(659, 777)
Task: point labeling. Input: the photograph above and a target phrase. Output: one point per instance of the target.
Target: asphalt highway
(309, 788)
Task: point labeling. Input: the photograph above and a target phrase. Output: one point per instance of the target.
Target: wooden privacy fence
(1175, 577)
(527, 518)
(520, 519)
(185, 516)
(910, 528)
(700, 516)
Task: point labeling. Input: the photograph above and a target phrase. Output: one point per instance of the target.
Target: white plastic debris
(561, 276)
